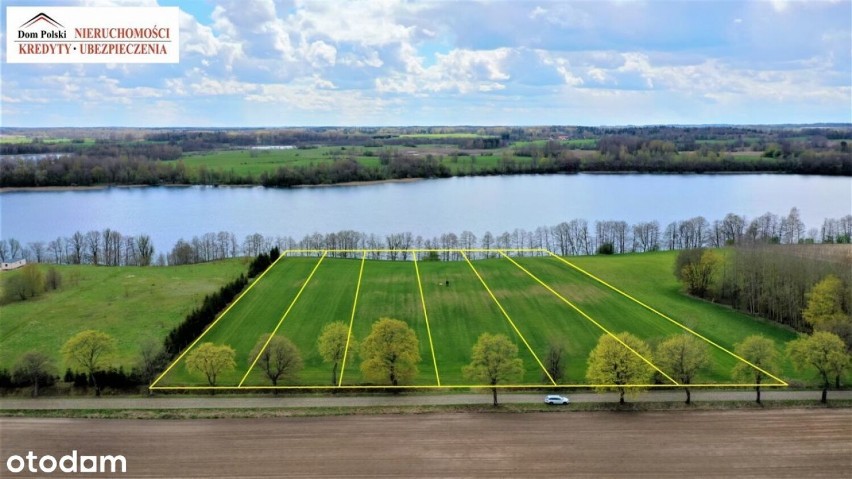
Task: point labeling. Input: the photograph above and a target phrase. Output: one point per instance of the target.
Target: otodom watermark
(73, 463)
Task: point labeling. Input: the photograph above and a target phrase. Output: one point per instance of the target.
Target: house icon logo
(41, 17)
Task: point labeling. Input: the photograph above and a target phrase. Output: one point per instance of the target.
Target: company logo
(40, 21)
(93, 35)
(41, 17)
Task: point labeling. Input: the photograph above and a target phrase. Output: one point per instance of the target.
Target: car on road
(555, 399)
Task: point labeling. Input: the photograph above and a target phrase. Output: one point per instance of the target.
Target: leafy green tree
(211, 360)
(34, 367)
(759, 351)
(279, 360)
(696, 269)
(822, 351)
(683, 356)
(90, 350)
(616, 368)
(825, 312)
(332, 346)
(390, 353)
(494, 360)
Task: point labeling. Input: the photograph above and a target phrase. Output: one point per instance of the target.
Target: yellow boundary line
(546, 372)
(468, 386)
(352, 319)
(154, 386)
(421, 250)
(292, 303)
(426, 316)
(582, 313)
(649, 308)
(186, 350)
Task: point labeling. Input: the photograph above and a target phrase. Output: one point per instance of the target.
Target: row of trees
(107, 247)
(621, 363)
(575, 237)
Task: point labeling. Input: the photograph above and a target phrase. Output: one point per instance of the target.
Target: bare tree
(78, 245)
(38, 251)
(93, 246)
(146, 250)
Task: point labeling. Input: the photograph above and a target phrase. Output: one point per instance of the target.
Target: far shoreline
(15, 189)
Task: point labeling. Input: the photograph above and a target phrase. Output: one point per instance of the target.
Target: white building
(12, 265)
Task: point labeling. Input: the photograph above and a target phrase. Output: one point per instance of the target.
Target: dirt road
(772, 443)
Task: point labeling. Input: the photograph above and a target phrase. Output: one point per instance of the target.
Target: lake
(428, 208)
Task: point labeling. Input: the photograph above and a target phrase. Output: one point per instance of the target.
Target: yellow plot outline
(280, 321)
(586, 316)
(352, 319)
(426, 316)
(508, 318)
(502, 252)
(461, 386)
(682, 326)
(191, 345)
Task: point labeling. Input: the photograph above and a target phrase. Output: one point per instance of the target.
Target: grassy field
(129, 303)
(460, 308)
(254, 162)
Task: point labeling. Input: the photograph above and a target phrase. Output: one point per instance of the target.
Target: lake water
(427, 208)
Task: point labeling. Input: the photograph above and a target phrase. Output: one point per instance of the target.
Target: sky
(255, 63)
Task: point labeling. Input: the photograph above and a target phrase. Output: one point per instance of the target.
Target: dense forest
(86, 157)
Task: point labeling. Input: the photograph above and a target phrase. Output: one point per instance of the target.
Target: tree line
(569, 238)
(769, 281)
(142, 157)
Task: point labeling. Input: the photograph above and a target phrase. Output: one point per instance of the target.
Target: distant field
(129, 303)
(460, 308)
(16, 139)
(255, 162)
(445, 135)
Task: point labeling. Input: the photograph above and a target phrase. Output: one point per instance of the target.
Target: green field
(129, 303)
(314, 291)
(255, 162)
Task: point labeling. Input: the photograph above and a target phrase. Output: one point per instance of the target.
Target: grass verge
(250, 413)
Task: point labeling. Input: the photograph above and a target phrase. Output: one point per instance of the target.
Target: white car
(554, 399)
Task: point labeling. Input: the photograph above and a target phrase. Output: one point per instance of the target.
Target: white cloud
(459, 70)
(319, 53)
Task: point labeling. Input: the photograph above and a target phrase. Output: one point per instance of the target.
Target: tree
(494, 360)
(279, 360)
(27, 283)
(332, 346)
(390, 353)
(90, 350)
(211, 360)
(760, 352)
(683, 356)
(34, 367)
(554, 362)
(146, 250)
(823, 351)
(824, 310)
(152, 359)
(614, 367)
(695, 268)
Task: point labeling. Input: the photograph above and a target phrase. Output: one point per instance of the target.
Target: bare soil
(774, 443)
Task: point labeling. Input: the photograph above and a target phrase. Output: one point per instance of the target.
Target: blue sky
(394, 62)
